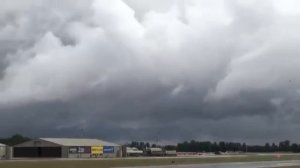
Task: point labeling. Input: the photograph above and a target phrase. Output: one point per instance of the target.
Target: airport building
(67, 148)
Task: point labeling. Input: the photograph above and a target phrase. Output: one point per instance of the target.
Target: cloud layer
(172, 70)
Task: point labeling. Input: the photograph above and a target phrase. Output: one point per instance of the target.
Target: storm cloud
(151, 70)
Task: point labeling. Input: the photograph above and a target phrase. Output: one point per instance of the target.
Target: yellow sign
(96, 150)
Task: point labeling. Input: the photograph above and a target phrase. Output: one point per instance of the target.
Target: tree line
(14, 140)
(207, 146)
(193, 146)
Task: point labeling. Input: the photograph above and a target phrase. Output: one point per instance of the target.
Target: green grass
(108, 163)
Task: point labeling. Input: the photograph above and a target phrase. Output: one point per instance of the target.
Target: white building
(2, 151)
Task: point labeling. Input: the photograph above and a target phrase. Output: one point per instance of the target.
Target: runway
(236, 165)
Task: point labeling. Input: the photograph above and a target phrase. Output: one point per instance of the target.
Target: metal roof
(78, 142)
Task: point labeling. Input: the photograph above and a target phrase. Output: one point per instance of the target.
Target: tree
(14, 140)
(215, 147)
(284, 146)
(141, 146)
(274, 148)
(267, 147)
(148, 145)
(244, 147)
(222, 146)
(295, 148)
(170, 147)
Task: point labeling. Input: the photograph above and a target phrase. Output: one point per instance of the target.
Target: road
(235, 165)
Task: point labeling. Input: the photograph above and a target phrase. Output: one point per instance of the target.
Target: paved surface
(235, 165)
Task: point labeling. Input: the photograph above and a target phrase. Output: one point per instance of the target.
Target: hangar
(66, 148)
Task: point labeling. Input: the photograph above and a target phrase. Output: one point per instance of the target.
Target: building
(2, 151)
(67, 148)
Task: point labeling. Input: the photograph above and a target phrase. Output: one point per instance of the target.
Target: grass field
(107, 163)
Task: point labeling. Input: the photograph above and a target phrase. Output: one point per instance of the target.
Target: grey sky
(136, 70)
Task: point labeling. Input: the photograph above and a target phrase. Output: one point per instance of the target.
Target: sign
(108, 149)
(96, 150)
(81, 149)
(73, 150)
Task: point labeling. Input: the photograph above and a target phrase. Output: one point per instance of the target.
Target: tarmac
(268, 164)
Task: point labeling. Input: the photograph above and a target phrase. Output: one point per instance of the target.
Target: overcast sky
(151, 70)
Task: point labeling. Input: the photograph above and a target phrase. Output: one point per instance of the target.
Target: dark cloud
(135, 70)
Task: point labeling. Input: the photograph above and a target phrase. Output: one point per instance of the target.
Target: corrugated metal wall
(2, 152)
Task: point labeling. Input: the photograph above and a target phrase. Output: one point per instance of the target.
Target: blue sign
(108, 149)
